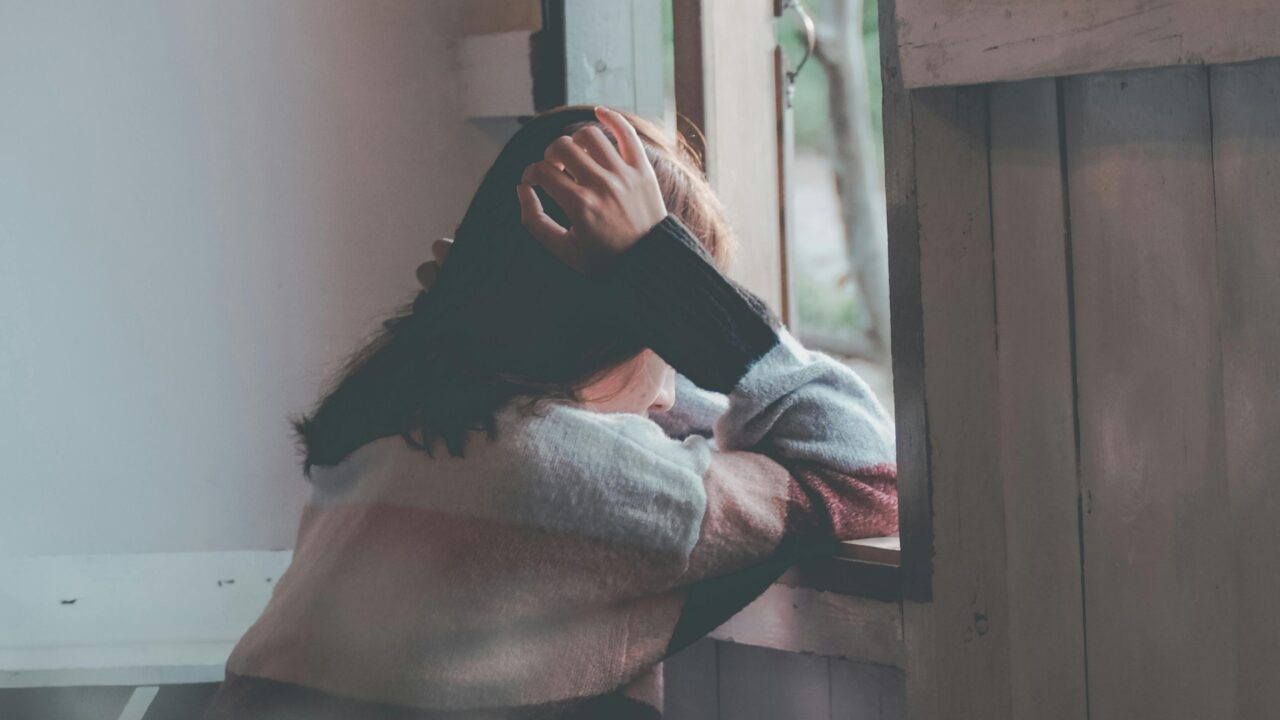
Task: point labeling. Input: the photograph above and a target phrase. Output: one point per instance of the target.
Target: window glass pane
(839, 249)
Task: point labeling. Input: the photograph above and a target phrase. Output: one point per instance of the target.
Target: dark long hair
(505, 321)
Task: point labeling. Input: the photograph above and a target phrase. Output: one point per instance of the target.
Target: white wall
(204, 206)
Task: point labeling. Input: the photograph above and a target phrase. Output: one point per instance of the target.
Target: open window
(797, 159)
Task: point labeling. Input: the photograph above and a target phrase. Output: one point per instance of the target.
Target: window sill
(847, 606)
(869, 568)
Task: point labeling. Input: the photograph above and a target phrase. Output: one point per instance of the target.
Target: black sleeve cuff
(679, 305)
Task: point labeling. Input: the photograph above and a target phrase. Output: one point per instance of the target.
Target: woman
(500, 526)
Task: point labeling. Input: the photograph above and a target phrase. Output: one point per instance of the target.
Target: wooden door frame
(701, 92)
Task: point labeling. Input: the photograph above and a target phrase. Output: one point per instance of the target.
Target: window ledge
(847, 606)
(869, 568)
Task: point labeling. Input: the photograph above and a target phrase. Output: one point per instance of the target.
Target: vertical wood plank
(738, 110)
(970, 625)
(761, 684)
(907, 328)
(941, 289)
(860, 691)
(689, 57)
(1152, 459)
(786, 144)
(646, 58)
(1246, 148)
(608, 62)
(691, 683)
(1037, 404)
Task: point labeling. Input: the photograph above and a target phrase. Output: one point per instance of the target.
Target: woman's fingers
(629, 144)
(561, 188)
(535, 219)
(574, 158)
(592, 139)
(556, 239)
(612, 199)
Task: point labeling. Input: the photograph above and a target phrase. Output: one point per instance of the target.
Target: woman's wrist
(679, 304)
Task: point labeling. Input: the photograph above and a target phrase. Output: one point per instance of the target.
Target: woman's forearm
(808, 412)
(706, 326)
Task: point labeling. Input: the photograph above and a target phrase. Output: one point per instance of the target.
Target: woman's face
(640, 385)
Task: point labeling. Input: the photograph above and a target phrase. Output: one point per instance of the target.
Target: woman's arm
(802, 456)
(790, 410)
(662, 283)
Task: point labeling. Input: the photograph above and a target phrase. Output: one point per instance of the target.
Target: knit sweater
(549, 571)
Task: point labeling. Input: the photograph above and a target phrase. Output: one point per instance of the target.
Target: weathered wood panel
(691, 682)
(689, 55)
(822, 623)
(866, 692)
(786, 142)
(1246, 130)
(968, 640)
(1037, 404)
(763, 683)
(906, 330)
(941, 296)
(1156, 525)
(944, 42)
(760, 684)
(608, 62)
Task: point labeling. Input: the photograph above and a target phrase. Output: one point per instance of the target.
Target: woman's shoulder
(557, 466)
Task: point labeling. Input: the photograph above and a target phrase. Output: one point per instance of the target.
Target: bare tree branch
(859, 184)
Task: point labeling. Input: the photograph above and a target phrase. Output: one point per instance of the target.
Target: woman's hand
(610, 194)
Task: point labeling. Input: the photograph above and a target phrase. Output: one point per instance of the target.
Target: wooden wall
(1086, 290)
(944, 42)
(714, 680)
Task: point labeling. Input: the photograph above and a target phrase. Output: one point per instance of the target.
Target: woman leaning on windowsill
(514, 514)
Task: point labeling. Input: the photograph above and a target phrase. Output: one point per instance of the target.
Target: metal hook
(810, 44)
